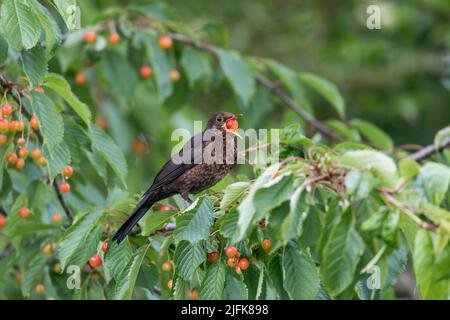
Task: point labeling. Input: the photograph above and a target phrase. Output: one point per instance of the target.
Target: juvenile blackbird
(200, 164)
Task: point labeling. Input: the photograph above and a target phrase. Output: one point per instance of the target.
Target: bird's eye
(219, 119)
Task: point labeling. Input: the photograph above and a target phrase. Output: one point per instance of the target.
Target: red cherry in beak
(232, 124)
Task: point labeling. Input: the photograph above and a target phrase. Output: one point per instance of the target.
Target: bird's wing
(174, 168)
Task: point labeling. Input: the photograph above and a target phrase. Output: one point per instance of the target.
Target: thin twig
(429, 150)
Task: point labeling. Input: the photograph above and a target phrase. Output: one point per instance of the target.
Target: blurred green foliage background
(397, 77)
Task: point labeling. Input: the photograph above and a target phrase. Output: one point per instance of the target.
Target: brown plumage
(207, 158)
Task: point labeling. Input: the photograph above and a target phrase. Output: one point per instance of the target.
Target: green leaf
(383, 166)
(246, 208)
(426, 268)
(327, 89)
(117, 257)
(19, 25)
(343, 130)
(442, 137)
(68, 10)
(293, 224)
(62, 87)
(214, 282)
(119, 73)
(73, 240)
(228, 226)
(110, 152)
(301, 278)
(238, 74)
(187, 258)
(52, 31)
(57, 159)
(35, 64)
(272, 194)
(234, 288)
(155, 220)
(161, 68)
(179, 289)
(276, 277)
(15, 222)
(194, 224)
(360, 184)
(291, 80)
(196, 65)
(3, 50)
(341, 255)
(126, 281)
(33, 274)
(373, 134)
(233, 192)
(435, 179)
(51, 122)
(408, 168)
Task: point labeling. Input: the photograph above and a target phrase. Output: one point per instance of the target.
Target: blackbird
(201, 163)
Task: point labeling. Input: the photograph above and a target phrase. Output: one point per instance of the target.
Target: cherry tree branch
(429, 150)
(11, 87)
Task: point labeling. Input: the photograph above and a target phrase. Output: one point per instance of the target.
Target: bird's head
(224, 121)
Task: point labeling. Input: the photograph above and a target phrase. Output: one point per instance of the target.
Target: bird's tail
(141, 208)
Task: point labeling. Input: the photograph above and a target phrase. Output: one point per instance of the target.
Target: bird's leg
(187, 200)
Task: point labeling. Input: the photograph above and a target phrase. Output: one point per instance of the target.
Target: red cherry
(165, 42)
(24, 213)
(23, 152)
(231, 251)
(40, 288)
(36, 154)
(13, 126)
(90, 36)
(68, 172)
(165, 207)
(194, 294)
(146, 72)
(80, 78)
(43, 163)
(114, 38)
(34, 122)
(21, 141)
(243, 263)
(20, 163)
(4, 125)
(6, 109)
(64, 187)
(231, 262)
(3, 139)
(56, 218)
(105, 246)
(213, 256)
(167, 266)
(231, 124)
(95, 261)
(266, 245)
(12, 158)
(174, 75)
(20, 125)
(238, 270)
(2, 221)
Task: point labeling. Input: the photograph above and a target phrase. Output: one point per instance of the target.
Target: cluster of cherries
(10, 127)
(165, 42)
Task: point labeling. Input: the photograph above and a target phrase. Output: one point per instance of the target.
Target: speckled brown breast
(206, 175)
